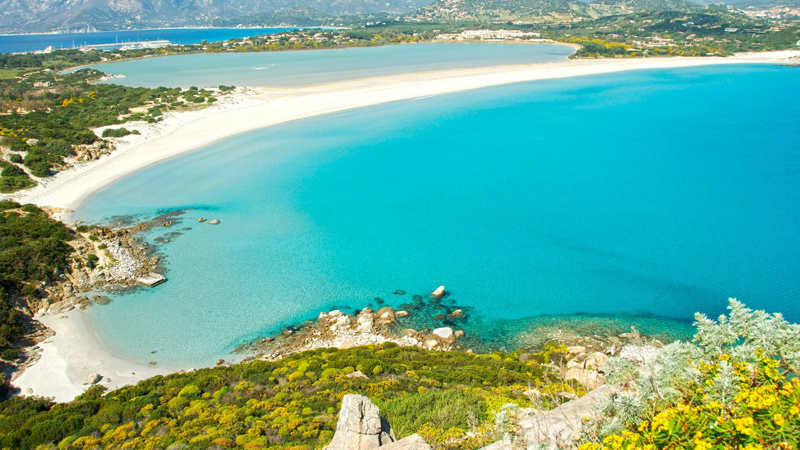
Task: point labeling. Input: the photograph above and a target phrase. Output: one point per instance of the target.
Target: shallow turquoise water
(656, 192)
(294, 68)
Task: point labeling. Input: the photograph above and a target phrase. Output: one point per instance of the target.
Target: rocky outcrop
(360, 426)
(556, 428)
(413, 442)
(337, 329)
(562, 425)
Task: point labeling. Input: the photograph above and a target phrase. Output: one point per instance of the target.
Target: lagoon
(16, 43)
(297, 68)
(653, 193)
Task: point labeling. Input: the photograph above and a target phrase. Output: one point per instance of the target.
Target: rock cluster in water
(367, 327)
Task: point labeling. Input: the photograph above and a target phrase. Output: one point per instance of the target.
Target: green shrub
(9, 354)
(444, 409)
(118, 132)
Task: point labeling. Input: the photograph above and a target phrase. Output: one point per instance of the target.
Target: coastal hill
(543, 11)
(20, 16)
(505, 10)
(32, 16)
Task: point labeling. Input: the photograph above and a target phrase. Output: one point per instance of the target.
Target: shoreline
(76, 351)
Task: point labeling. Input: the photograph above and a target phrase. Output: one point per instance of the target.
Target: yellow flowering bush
(734, 396)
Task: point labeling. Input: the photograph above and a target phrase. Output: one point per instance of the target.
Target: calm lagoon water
(14, 43)
(295, 68)
(658, 193)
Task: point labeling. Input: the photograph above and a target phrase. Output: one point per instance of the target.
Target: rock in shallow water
(444, 332)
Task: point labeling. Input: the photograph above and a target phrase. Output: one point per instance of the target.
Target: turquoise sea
(16, 43)
(645, 194)
(296, 68)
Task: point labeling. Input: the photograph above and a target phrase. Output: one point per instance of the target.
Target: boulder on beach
(400, 314)
(438, 293)
(94, 378)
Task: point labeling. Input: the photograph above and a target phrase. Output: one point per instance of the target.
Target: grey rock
(444, 332)
(360, 426)
(595, 361)
(413, 442)
(94, 378)
(560, 427)
(499, 445)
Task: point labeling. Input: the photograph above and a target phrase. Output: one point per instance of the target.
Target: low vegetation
(290, 404)
(33, 251)
(47, 117)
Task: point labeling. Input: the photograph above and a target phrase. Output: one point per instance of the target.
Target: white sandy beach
(75, 352)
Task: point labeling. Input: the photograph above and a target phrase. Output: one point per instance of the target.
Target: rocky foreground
(361, 427)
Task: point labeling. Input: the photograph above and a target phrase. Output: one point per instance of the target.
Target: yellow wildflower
(778, 419)
(744, 426)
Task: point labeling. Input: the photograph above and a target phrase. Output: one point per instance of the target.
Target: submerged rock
(101, 299)
(213, 222)
(457, 314)
(399, 292)
(438, 293)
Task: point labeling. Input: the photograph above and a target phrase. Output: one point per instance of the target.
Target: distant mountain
(505, 10)
(92, 15)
